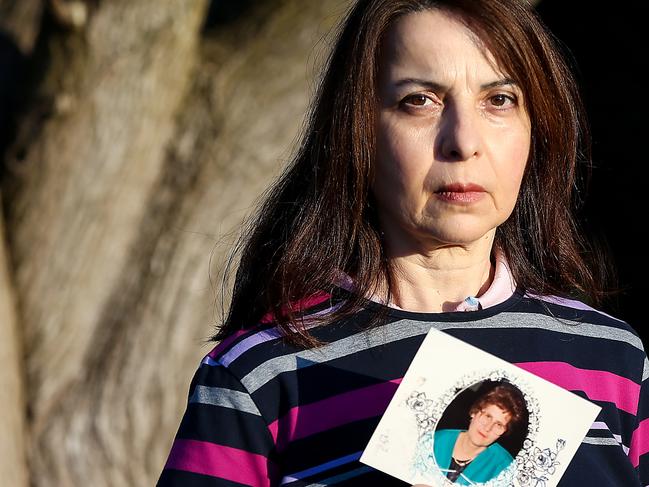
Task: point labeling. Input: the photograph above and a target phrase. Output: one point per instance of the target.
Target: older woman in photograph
(434, 188)
(474, 455)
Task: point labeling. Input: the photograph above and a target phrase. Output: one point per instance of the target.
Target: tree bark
(127, 182)
(13, 462)
(77, 204)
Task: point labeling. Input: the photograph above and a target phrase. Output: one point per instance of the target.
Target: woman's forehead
(435, 43)
(496, 411)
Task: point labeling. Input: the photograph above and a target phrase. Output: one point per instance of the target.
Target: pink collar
(502, 287)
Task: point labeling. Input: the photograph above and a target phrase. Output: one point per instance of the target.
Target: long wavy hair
(319, 219)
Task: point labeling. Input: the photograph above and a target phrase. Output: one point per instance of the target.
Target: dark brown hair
(318, 218)
(508, 398)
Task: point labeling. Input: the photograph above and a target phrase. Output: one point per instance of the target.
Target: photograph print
(462, 416)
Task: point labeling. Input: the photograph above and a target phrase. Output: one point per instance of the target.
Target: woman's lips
(460, 193)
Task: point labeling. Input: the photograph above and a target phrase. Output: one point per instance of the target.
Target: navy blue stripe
(179, 478)
(215, 376)
(539, 345)
(323, 380)
(565, 312)
(600, 466)
(225, 426)
(344, 440)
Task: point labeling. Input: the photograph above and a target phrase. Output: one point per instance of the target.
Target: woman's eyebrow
(433, 85)
(500, 82)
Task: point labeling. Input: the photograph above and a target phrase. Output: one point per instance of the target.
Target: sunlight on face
(446, 117)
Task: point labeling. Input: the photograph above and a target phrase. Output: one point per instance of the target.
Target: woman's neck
(464, 449)
(439, 279)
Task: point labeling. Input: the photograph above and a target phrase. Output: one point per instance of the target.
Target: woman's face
(487, 425)
(446, 117)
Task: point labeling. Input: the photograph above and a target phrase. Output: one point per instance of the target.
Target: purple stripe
(224, 343)
(244, 345)
(306, 420)
(209, 361)
(569, 303)
(265, 336)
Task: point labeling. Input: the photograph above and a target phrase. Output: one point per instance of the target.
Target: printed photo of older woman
(477, 453)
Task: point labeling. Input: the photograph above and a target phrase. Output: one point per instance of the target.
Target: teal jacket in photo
(487, 465)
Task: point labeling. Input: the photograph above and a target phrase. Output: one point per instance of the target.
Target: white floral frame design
(532, 467)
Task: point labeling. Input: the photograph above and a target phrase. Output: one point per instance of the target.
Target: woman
(436, 177)
(473, 455)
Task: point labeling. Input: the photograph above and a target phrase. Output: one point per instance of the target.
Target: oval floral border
(530, 466)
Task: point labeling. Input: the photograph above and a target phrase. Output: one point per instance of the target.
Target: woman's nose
(459, 134)
(489, 426)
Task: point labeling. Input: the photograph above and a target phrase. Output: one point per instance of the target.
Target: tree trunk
(13, 464)
(77, 211)
(143, 149)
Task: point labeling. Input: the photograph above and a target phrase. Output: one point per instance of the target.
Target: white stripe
(606, 441)
(601, 441)
(600, 425)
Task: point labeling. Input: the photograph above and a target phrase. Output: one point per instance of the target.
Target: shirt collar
(502, 288)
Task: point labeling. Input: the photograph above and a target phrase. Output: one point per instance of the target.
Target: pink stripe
(299, 306)
(598, 385)
(303, 421)
(219, 461)
(639, 442)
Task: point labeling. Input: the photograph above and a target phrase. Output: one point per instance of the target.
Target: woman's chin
(464, 237)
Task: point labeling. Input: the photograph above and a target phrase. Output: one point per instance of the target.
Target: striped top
(265, 413)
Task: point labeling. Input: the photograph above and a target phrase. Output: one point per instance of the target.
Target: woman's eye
(502, 100)
(416, 100)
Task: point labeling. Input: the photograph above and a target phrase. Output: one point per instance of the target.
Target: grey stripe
(601, 441)
(340, 348)
(410, 328)
(526, 320)
(645, 370)
(227, 398)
